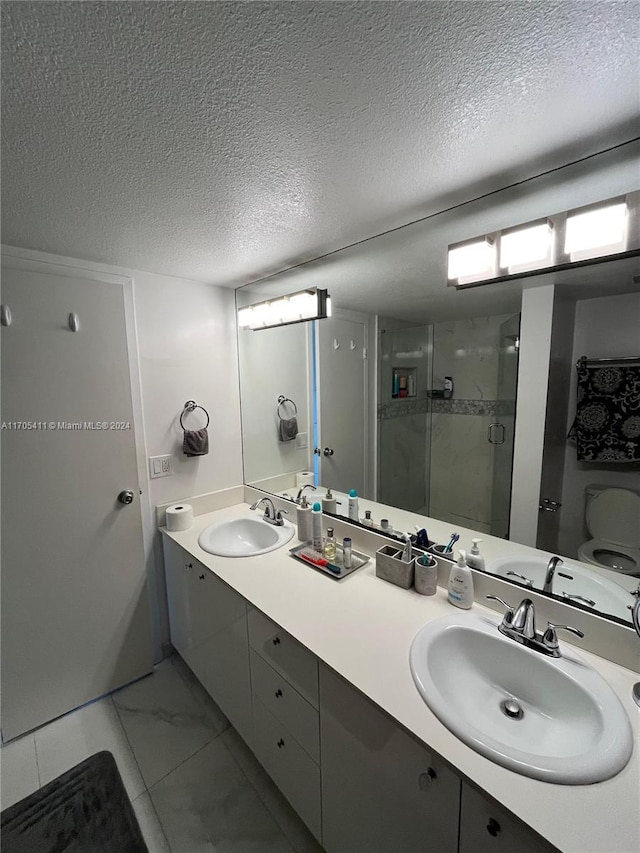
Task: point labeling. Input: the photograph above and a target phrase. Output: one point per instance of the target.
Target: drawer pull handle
(493, 827)
(425, 780)
(276, 641)
(201, 577)
(189, 565)
(280, 743)
(278, 693)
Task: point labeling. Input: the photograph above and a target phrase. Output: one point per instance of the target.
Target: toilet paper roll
(305, 478)
(179, 517)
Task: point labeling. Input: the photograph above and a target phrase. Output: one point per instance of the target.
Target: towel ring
(281, 400)
(191, 406)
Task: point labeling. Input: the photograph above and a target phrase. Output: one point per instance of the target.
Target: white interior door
(75, 613)
(342, 405)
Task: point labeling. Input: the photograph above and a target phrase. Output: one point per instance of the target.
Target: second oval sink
(244, 537)
(554, 719)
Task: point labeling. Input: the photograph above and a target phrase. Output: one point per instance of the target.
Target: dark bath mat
(86, 810)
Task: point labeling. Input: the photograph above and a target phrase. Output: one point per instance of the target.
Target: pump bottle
(475, 560)
(461, 583)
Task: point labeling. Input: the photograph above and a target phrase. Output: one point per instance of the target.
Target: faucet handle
(280, 513)
(508, 616)
(550, 637)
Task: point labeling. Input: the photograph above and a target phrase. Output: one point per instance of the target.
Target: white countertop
(362, 627)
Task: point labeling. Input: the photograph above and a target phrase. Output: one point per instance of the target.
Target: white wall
(533, 370)
(606, 327)
(274, 362)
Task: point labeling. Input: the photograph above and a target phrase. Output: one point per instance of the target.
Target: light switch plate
(301, 441)
(160, 466)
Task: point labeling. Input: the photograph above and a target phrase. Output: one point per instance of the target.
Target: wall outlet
(301, 441)
(160, 466)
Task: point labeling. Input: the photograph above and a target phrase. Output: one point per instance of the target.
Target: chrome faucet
(521, 627)
(271, 515)
(552, 565)
(300, 491)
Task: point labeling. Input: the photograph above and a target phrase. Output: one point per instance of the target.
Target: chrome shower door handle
(490, 435)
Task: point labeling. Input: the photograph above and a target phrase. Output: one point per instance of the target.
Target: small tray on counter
(358, 559)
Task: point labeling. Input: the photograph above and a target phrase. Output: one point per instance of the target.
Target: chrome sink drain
(510, 708)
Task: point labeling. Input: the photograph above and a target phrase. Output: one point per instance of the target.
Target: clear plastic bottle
(329, 550)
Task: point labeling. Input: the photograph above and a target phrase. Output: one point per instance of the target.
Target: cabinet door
(382, 790)
(208, 623)
(488, 828)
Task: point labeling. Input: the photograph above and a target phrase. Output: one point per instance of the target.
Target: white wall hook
(74, 322)
(336, 345)
(5, 315)
(352, 345)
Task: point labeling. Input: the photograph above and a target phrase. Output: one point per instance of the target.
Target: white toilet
(613, 519)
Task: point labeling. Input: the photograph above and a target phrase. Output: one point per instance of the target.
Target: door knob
(126, 497)
(328, 451)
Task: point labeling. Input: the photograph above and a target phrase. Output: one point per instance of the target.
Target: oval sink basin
(581, 586)
(244, 537)
(553, 719)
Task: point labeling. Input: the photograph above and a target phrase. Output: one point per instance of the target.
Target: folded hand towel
(288, 429)
(196, 442)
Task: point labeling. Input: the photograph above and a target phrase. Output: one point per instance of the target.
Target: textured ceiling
(223, 141)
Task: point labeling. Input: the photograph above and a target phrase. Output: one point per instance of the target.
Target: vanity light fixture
(472, 260)
(527, 248)
(598, 231)
(311, 304)
(603, 231)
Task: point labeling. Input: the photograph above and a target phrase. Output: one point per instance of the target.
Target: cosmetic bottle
(353, 505)
(329, 549)
(461, 583)
(367, 520)
(346, 552)
(316, 527)
(303, 518)
(475, 560)
(329, 503)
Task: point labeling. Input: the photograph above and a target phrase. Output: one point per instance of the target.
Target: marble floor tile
(164, 722)
(66, 742)
(18, 770)
(220, 721)
(207, 805)
(150, 826)
(296, 832)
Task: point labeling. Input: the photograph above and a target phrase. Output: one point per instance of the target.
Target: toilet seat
(600, 552)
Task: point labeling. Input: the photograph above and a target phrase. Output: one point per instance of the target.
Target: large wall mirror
(457, 404)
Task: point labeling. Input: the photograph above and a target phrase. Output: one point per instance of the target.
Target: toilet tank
(623, 536)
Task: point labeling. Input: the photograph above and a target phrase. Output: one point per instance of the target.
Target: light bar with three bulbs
(578, 237)
(310, 304)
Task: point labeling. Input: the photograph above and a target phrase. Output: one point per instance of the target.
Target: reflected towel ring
(191, 406)
(281, 400)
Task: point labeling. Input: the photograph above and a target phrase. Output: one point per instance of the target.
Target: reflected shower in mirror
(433, 403)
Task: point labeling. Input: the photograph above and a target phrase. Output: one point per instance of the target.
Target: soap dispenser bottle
(461, 583)
(303, 519)
(475, 560)
(329, 503)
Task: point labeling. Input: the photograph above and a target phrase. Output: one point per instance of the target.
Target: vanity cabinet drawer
(286, 655)
(293, 771)
(287, 705)
(487, 828)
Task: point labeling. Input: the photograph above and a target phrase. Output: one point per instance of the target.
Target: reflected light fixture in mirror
(578, 237)
(311, 304)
